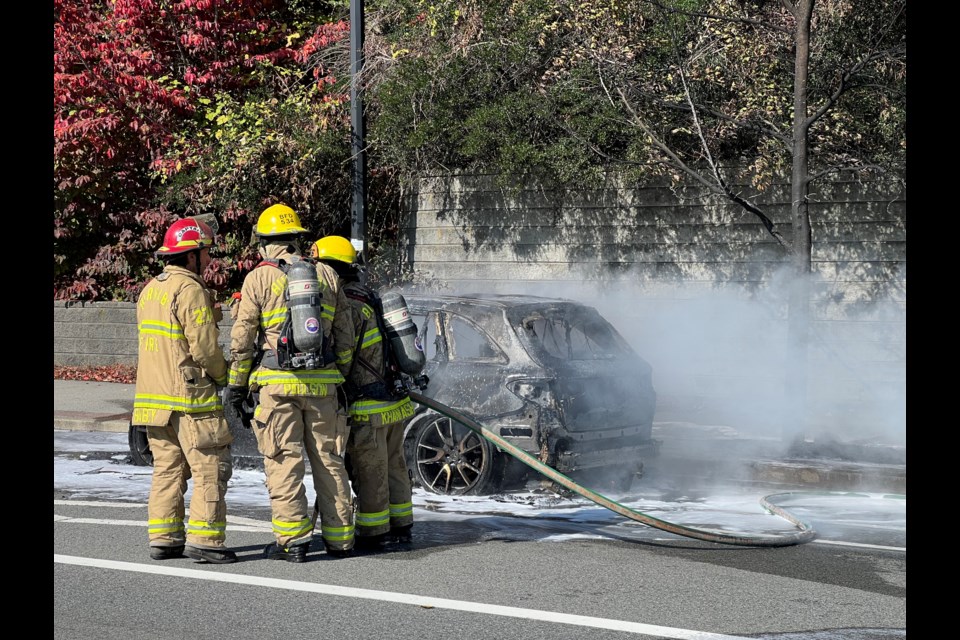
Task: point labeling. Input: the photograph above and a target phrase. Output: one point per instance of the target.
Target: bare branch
(720, 189)
(846, 84)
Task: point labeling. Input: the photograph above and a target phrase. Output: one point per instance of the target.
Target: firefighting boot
(296, 553)
(166, 553)
(210, 554)
(402, 535)
(337, 553)
(370, 543)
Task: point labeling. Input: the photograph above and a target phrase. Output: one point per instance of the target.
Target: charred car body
(550, 376)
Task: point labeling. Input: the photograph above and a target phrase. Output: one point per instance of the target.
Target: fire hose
(804, 534)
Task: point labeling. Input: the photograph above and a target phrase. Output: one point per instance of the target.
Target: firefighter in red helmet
(180, 367)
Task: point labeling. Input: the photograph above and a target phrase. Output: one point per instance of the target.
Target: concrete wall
(468, 232)
(102, 333)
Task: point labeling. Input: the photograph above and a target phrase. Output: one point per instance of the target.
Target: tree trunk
(798, 323)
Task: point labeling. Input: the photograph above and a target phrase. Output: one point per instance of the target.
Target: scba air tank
(304, 300)
(402, 333)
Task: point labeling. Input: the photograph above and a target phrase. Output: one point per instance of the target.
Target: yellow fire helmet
(334, 248)
(279, 220)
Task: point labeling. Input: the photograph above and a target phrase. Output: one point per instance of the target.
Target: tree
(141, 90)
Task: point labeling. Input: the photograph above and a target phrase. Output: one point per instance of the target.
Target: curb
(832, 476)
(88, 421)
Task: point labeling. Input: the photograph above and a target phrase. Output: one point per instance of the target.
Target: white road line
(861, 545)
(402, 598)
(79, 503)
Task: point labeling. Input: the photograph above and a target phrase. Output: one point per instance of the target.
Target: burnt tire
(139, 446)
(447, 458)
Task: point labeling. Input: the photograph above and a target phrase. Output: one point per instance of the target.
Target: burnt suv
(551, 376)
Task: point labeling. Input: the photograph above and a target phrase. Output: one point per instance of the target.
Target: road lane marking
(401, 598)
(80, 503)
(861, 545)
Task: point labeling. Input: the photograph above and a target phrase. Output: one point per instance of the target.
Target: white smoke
(719, 354)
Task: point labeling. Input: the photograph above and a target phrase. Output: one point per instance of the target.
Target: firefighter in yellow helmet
(179, 367)
(378, 414)
(299, 408)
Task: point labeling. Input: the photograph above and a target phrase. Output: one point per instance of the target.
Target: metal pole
(358, 229)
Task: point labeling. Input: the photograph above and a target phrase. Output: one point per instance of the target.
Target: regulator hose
(805, 532)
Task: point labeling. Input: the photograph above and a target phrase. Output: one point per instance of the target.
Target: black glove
(233, 397)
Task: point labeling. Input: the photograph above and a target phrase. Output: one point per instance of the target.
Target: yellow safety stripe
(239, 374)
(367, 407)
(388, 410)
(273, 318)
(371, 338)
(165, 329)
(292, 528)
(264, 377)
(210, 529)
(337, 533)
(172, 525)
(343, 357)
(373, 519)
(177, 403)
(243, 366)
(401, 509)
(327, 311)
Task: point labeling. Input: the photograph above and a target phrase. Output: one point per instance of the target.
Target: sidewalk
(712, 453)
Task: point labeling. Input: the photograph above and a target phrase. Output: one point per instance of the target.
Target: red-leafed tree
(131, 78)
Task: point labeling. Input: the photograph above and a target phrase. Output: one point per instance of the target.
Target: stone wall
(101, 333)
(467, 232)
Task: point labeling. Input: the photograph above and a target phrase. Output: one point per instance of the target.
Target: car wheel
(139, 446)
(450, 459)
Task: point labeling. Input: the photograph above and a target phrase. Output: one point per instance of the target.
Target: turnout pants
(195, 446)
(285, 428)
(398, 477)
(367, 455)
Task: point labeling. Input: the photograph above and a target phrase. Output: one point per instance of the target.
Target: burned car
(550, 376)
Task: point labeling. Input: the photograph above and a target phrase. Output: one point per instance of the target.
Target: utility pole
(358, 229)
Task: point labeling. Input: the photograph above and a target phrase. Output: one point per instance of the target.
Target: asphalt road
(475, 575)
(480, 577)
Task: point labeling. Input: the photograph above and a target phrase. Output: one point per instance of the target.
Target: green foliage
(574, 90)
(164, 111)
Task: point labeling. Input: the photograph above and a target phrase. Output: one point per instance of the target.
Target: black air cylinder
(402, 334)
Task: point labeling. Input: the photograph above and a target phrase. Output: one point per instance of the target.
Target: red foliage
(122, 373)
(128, 78)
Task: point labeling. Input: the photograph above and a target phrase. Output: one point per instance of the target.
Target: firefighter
(180, 366)
(378, 414)
(299, 408)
